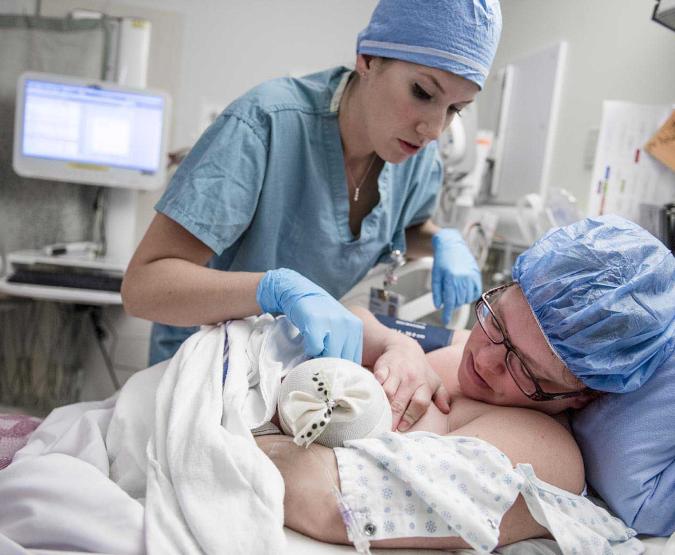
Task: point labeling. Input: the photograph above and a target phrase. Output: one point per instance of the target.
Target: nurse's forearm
(181, 293)
(377, 338)
(418, 239)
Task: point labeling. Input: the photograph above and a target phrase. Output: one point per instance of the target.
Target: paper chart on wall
(627, 180)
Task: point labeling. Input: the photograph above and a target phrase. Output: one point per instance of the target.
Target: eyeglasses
(519, 371)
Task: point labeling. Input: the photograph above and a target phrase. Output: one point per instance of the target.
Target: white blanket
(89, 479)
(209, 488)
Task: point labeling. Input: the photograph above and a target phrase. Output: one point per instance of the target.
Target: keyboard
(76, 280)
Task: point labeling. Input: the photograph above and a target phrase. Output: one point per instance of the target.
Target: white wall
(231, 46)
(615, 52)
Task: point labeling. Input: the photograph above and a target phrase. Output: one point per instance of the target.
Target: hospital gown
(424, 485)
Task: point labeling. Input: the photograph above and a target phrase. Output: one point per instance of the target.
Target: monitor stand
(119, 213)
(120, 225)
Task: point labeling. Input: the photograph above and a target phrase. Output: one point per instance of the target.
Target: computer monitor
(92, 132)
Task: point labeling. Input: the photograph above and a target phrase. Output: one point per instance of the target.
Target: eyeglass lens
(495, 333)
(519, 373)
(488, 322)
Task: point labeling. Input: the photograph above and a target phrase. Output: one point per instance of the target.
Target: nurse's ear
(364, 64)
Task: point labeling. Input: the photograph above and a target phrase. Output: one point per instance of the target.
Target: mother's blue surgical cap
(603, 291)
(459, 36)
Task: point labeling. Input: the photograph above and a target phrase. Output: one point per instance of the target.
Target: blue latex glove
(455, 277)
(327, 327)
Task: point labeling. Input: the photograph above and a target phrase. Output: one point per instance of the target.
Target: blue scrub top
(265, 188)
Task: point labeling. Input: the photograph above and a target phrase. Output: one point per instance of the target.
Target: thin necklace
(363, 179)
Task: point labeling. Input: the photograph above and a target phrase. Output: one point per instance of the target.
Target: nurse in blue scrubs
(302, 185)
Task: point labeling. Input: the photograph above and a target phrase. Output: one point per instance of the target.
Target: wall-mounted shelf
(60, 294)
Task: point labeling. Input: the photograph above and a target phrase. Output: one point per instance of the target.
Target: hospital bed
(298, 544)
(302, 545)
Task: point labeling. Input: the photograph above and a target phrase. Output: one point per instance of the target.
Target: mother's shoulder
(526, 426)
(469, 410)
(525, 436)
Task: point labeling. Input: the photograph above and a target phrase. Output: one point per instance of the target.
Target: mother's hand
(409, 382)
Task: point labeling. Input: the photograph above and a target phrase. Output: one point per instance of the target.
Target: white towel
(210, 489)
(153, 468)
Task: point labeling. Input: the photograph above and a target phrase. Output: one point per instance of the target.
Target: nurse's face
(483, 372)
(408, 105)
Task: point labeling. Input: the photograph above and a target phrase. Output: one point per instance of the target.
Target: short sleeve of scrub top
(215, 190)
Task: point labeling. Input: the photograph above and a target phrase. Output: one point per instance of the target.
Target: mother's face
(406, 105)
(483, 372)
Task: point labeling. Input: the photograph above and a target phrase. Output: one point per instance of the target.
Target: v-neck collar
(338, 179)
(339, 91)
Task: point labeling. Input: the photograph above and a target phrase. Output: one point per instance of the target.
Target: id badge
(385, 302)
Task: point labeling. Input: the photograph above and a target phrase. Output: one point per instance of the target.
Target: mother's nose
(491, 358)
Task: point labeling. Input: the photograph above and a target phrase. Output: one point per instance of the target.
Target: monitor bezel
(85, 173)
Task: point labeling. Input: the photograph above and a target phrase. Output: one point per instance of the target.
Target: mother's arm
(523, 435)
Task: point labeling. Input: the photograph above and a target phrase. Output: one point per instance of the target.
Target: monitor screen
(100, 133)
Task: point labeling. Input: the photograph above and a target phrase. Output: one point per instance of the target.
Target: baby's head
(331, 400)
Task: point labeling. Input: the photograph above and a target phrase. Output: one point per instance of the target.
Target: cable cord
(99, 222)
(99, 330)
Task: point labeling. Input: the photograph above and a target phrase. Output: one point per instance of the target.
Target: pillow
(628, 444)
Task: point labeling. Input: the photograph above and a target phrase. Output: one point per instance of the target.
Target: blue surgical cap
(603, 291)
(459, 36)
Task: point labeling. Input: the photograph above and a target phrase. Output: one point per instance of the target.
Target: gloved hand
(455, 277)
(328, 328)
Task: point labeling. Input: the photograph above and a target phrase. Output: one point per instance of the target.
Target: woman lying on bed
(576, 322)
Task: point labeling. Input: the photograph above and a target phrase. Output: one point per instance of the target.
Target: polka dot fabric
(424, 485)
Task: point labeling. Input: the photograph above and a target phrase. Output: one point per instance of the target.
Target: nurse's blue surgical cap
(603, 291)
(459, 36)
